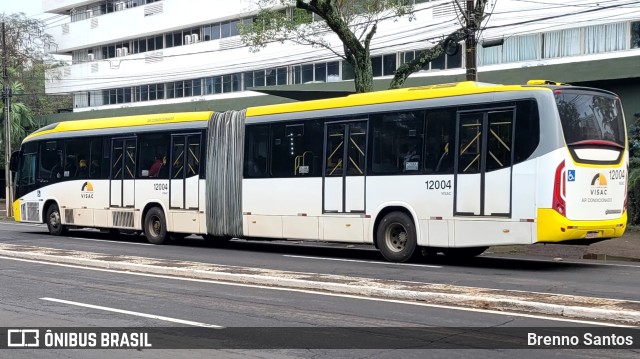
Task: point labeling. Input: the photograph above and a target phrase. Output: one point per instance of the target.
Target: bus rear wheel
(155, 226)
(54, 221)
(396, 237)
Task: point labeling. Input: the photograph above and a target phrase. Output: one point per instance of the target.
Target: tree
(633, 199)
(355, 22)
(27, 44)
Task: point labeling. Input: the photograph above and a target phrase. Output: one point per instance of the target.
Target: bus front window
(27, 171)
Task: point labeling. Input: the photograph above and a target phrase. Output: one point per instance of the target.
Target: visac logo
(87, 190)
(599, 185)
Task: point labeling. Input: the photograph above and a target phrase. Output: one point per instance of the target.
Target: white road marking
(3, 223)
(138, 314)
(104, 240)
(361, 261)
(307, 291)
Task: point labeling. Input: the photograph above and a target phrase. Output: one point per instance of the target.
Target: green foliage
(355, 22)
(27, 45)
(311, 23)
(633, 201)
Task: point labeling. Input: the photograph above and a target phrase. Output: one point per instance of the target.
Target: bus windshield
(590, 116)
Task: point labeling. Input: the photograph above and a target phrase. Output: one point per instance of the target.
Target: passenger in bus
(56, 170)
(157, 165)
(83, 169)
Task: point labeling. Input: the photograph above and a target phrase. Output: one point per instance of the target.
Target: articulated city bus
(449, 169)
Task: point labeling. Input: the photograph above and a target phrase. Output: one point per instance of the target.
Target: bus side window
(527, 130)
(154, 155)
(439, 144)
(50, 166)
(76, 164)
(96, 160)
(296, 148)
(397, 141)
(256, 151)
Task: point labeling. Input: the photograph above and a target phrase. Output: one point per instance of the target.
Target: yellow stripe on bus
(125, 121)
(389, 96)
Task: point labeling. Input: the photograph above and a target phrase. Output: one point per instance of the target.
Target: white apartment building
(146, 52)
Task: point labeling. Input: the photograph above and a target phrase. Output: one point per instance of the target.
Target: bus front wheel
(54, 221)
(396, 237)
(155, 226)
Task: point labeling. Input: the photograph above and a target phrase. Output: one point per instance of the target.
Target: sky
(29, 7)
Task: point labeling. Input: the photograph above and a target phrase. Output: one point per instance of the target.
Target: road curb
(557, 305)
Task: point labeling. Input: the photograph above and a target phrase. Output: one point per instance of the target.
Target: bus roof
(122, 121)
(378, 97)
(389, 96)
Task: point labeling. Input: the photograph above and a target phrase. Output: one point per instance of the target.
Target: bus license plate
(593, 234)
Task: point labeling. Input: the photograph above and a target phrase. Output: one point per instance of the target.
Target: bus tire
(54, 221)
(155, 226)
(396, 237)
(464, 253)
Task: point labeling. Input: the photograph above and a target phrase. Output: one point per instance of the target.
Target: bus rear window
(589, 116)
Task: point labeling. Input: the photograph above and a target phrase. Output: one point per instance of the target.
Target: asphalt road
(585, 277)
(45, 295)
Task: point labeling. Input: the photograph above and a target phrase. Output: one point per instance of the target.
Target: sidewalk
(625, 248)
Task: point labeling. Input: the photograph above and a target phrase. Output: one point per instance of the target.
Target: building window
(635, 35)
(561, 43)
(514, 49)
(604, 38)
(439, 63)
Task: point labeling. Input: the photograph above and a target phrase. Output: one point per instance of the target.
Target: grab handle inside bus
(13, 163)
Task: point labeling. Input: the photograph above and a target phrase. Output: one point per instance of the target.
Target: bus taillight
(559, 190)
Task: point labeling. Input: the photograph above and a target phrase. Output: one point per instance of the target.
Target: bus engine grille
(123, 219)
(30, 211)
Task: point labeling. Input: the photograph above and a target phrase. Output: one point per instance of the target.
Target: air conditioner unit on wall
(120, 6)
(125, 51)
(187, 39)
(118, 52)
(195, 38)
(89, 13)
(90, 57)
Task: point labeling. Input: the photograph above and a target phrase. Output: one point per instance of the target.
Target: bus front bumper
(16, 210)
(553, 227)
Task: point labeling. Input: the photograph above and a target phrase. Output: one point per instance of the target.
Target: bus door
(344, 167)
(123, 170)
(483, 163)
(184, 185)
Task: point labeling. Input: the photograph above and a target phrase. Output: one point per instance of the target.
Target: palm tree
(21, 118)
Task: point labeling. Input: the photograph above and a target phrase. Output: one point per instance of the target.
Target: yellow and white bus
(450, 168)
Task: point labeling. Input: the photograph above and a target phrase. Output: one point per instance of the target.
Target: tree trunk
(363, 78)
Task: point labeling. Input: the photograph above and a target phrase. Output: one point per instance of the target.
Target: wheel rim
(54, 219)
(155, 226)
(396, 237)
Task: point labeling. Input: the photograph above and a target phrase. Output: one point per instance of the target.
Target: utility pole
(6, 96)
(471, 42)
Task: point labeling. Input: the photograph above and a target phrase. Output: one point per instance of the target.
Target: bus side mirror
(13, 163)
